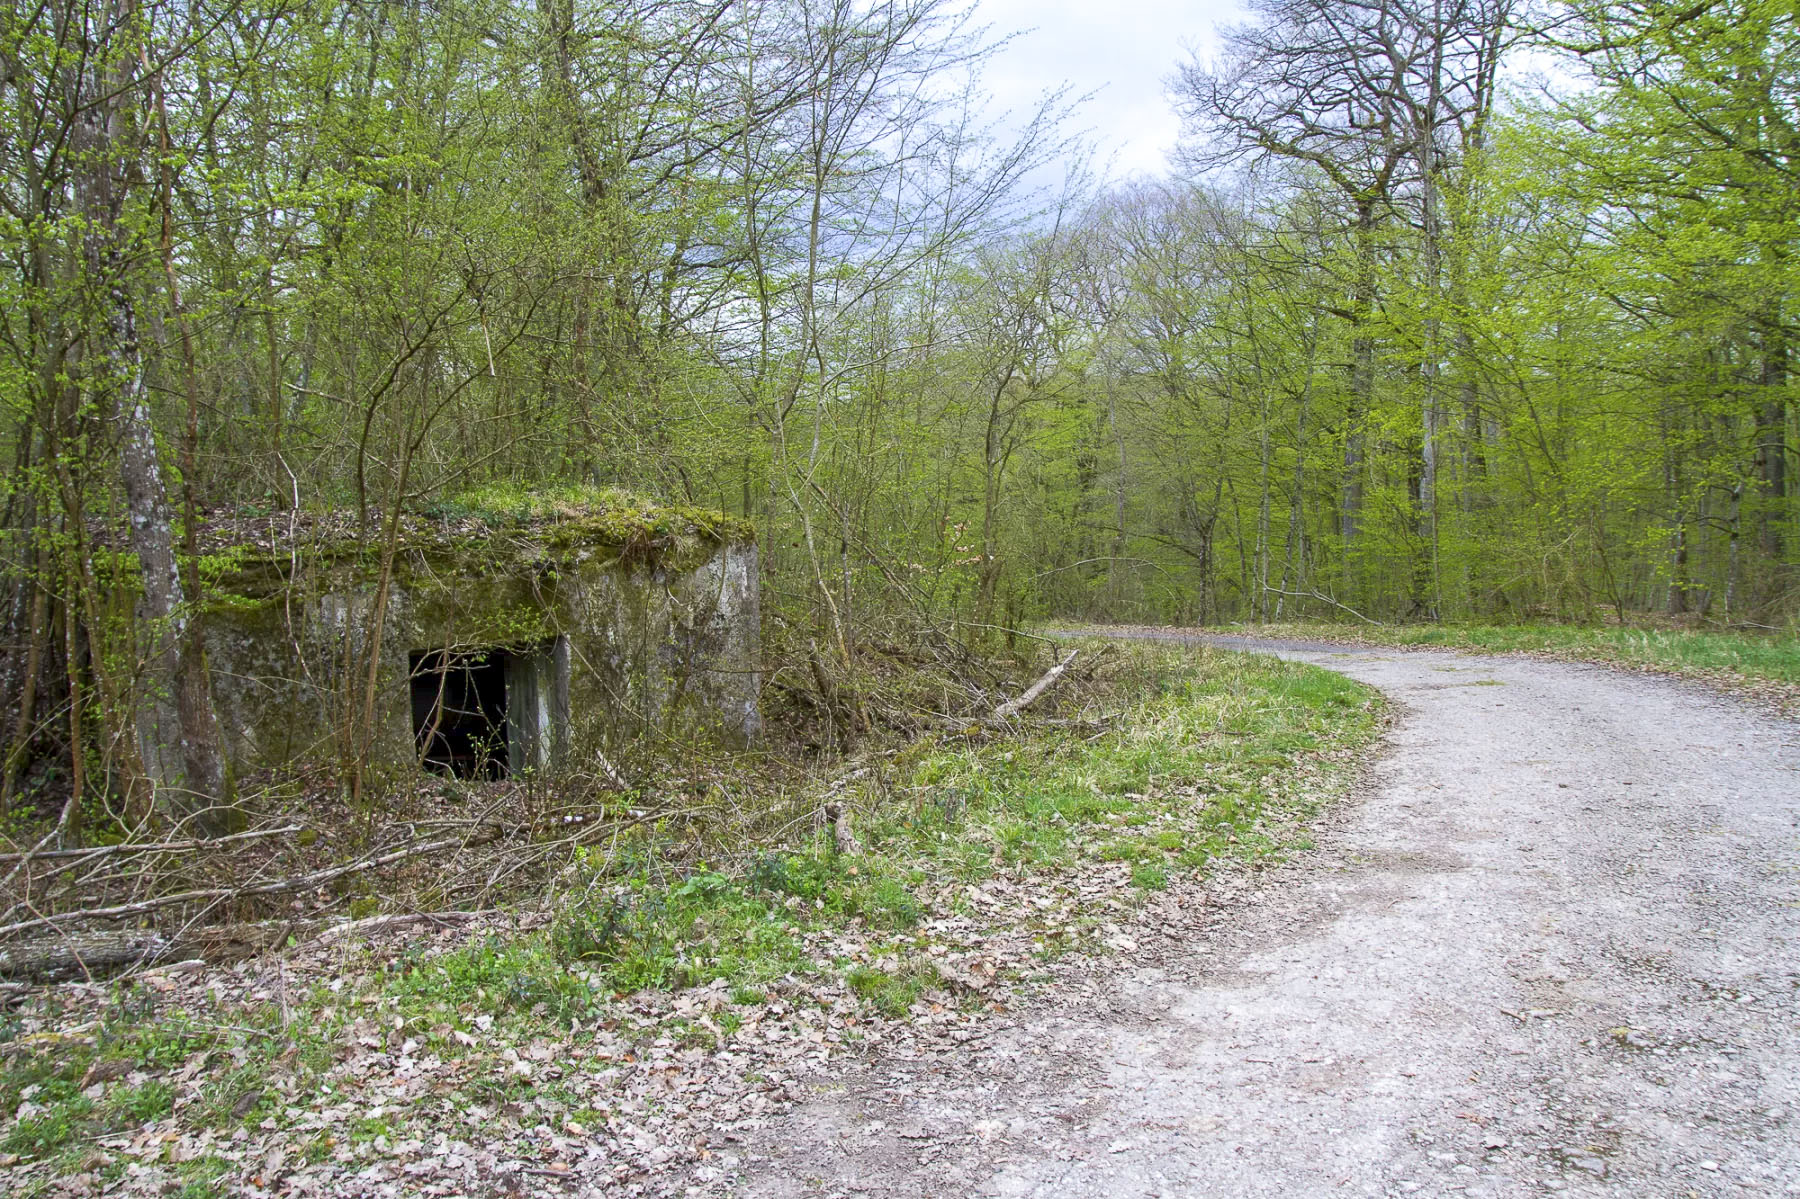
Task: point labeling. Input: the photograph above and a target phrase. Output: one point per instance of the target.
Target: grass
(1721, 656)
(1179, 759)
(1208, 764)
(891, 992)
(47, 1083)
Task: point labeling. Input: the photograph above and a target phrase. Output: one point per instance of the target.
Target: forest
(1399, 337)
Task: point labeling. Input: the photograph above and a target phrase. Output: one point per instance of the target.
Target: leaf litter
(314, 1071)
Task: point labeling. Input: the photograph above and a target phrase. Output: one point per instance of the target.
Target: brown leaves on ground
(658, 1094)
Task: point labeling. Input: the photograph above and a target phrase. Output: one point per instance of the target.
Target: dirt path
(1554, 947)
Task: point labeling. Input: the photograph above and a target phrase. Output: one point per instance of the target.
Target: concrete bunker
(494, 646)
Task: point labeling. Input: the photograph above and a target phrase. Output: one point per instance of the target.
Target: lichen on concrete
(654, 611)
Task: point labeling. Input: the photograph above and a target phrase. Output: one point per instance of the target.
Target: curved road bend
(1554, 948)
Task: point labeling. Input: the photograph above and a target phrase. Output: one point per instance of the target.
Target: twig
(298, 883)
(56, 830)
(1316, 595)
(610, 772)
(1007, 629)
(101, 851)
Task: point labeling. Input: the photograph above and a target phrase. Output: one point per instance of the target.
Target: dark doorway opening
(459, 712)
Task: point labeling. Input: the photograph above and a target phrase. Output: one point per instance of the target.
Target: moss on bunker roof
(560, 519)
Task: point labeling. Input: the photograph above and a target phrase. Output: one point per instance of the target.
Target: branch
(340, 932)
(298, 883)
(101, 851)
(1013, 707)
(1316, 595)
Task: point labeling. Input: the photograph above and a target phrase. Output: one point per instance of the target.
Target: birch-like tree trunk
(177, 733)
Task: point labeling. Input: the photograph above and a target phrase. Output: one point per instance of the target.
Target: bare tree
(1381, 97)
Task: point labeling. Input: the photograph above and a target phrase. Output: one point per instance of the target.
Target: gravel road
(1551, 947)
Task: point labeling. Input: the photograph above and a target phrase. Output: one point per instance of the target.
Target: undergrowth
(1175, 760)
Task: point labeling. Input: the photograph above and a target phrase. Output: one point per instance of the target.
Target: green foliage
(50, 1082)
(1525, 363)
(497, 975)
(147, 1102)
(1773, 658)
(1150, 876)
(63, 1120)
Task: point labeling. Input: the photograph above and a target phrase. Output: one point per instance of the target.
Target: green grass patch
(892, 993)
(1773, 657)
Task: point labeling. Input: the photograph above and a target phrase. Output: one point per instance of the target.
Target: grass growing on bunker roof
(256, 539)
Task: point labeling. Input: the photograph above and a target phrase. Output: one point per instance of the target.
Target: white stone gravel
(1553, 948)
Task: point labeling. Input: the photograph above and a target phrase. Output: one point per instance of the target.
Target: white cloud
(1121, 51)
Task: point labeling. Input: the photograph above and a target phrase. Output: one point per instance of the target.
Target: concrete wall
(611, 648)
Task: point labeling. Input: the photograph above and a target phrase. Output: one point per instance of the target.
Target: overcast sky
(1121, 50)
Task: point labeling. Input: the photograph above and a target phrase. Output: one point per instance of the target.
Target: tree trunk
(1771, 446)
(1362, 375)
(180, 749)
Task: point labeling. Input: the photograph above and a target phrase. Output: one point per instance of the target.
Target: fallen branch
(303, 882)
(844, 780)
(90, 953)
(102, 851)
(1326, 599)
(377, 924)
(843, 840)
(611, 773)
(95, 953)
(1013, 707)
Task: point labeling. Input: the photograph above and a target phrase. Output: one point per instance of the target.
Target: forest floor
(1166, 948)
(634, 1027)
(1550, 948)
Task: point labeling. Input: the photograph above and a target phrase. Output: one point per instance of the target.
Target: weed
(891, 993)
(1149, 876)
(40, 1135)
(203, 1178)
(145, 1103)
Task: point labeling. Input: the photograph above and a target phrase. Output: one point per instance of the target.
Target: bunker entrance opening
(489, 713)
(459, 712)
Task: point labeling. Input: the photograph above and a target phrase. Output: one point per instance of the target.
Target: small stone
(1709, 1164)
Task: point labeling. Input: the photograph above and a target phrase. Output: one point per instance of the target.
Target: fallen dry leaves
(658, 1094)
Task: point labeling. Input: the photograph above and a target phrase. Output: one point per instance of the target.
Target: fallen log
(96, 953)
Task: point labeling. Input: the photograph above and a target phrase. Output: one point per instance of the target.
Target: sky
(1123, 51)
